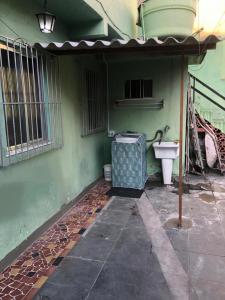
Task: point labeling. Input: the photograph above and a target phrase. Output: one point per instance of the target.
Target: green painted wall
(123, 13)
(84, 22)
(20, 17)
(165, 73)
(212, 72)
(34, 190)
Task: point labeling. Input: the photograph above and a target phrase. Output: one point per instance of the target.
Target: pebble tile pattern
(31, 269)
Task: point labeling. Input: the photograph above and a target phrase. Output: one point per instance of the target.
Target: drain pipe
(107, 91)
(180, 190)
(142, 22)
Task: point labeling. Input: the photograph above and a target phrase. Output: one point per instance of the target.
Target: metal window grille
(136, 89)
(30, 102)
(94, 114)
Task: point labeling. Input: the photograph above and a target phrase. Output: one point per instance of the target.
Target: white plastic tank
(163, 18)
(108, 172)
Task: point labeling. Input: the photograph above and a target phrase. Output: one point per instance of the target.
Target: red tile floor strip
(23, 278)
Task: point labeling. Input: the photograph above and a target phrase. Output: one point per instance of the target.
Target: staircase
(207, 126)
(209, 103)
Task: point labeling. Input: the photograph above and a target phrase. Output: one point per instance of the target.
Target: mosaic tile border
(27, 274)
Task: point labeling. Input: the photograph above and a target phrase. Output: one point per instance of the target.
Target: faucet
(165, 130)
(162, 134)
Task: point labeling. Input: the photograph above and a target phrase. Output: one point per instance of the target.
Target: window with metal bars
(30, 107)
(93, 104)
(138, 89)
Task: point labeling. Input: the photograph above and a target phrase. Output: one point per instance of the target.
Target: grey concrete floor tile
(207, 236)
(60, 292)
(207, 291)
(205, 225)
(207, 268)
(112, 291)
(182, 256)
(178, 239)
(158, 292)
(93, 248)
(222, 219)
(76, 272)
(114, 217)
(119, 282)
(124, 204)
(105, 230)
(207, 244)
(199, 208)
(135, 220)
(132, 248)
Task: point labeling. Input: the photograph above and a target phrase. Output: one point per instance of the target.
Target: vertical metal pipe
(130, 88)
(11, 105)
(24, 100)
(142, 22)
(56, 83)
(18, 99)
(59, 101)
(35, 96)
(194, 90)
(48, 102)
(29, 92)
(4, 107)
(43, 98)
(40, 100)
(187, 132)
(180, 190)
(53, 102)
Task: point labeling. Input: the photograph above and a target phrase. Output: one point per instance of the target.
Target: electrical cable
(110, 19)
(217, 24)
(10, 28)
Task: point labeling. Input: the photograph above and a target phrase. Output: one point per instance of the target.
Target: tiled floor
(32, 268)
(125, 255)
(120, 258)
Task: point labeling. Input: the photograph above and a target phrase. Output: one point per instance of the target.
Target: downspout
(107, 91)
(180, 189)
(142, 22)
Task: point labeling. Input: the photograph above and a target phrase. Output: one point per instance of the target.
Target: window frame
(10, 154)
(138, 79)
(101, 103)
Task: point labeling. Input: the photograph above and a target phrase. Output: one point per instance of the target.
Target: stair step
(200, 130)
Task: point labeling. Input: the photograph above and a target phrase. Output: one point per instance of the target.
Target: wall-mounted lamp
(46, 20)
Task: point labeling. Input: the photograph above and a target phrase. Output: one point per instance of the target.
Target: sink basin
(127, 140)
(167, 152)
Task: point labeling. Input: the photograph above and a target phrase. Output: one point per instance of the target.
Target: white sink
(167, 152)
(127, 140)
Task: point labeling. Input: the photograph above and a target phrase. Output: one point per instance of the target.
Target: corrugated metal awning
(188, 46)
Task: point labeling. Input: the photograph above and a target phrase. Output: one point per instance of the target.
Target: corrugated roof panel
(168, 43)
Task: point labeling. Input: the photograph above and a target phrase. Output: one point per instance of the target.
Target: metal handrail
(207, 97)
(207, 86)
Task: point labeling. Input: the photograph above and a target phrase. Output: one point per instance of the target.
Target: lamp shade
(46, 22)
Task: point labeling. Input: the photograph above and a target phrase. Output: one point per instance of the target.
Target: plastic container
(163, 18)
(108, 172)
